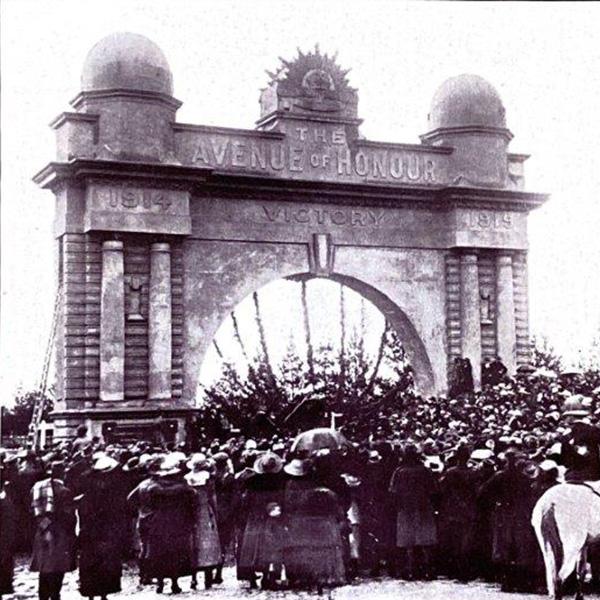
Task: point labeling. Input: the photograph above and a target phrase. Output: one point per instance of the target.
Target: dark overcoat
(205, 541)
(414, 490)
(8, 530)
(508, 495)
(225, 489)
(261, 541)
(457, 514)
(103, 537)
(168, 548)
(313, 546)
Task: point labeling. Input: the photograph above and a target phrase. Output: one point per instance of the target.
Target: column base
(125, 424)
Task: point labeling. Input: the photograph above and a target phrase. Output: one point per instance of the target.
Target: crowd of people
(432, 487)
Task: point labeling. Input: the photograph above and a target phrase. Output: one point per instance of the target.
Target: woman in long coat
(139, 499)
(414, 490)
(168, 548)
(8, 527)
(205, 541)
(314, 548)
(54, 543)
(260, 548)
(103, 537)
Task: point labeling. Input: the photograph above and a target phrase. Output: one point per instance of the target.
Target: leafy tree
(545, 356)
(349, 382)
(17, 418)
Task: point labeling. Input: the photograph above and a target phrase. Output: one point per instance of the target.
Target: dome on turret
(126, 61)
(466, 101)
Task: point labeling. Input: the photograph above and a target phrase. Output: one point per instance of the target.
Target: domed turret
(466, 101)
(126, 61)
(127, 84)
(467, 115)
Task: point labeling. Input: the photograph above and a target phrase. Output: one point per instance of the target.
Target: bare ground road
(367, 589)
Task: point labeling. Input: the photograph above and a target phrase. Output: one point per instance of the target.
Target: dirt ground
(367, 589)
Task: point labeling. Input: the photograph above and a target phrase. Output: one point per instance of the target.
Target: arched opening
(292, 329)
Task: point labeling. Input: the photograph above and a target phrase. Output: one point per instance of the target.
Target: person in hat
(260, 548)
(461, 378)
(8, 538)
(225, 488)
(103, 524)
(373, 501)
(168, 551)
(506, 495)
(458, 495)
(82, 440)
(415, 490)
(139, 500)
(29, 471)
(54, 544)
(205, 540)
(580, 445)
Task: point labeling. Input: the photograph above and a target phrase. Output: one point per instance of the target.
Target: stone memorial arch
(163, 227)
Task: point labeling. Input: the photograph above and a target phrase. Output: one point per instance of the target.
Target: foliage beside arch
(349, 383)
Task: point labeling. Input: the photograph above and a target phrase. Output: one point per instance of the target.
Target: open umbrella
(320, 438)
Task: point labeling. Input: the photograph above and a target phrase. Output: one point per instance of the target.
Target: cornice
(242, 184)
(139, 95)
(257, 133)
(66, 116)
(467, 129)
(78, 169)
(276, 115)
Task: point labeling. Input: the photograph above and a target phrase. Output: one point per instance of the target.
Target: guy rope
(40, 399)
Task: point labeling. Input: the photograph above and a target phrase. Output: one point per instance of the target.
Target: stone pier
(112, 323)
(505, 312)
(470, 314)
(159, 323)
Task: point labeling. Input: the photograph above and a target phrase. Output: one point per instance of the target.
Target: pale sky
(544, 59)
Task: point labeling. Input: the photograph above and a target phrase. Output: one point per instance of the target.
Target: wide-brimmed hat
(26, 455)
(197, 478)
(132, 464)
(298, 467)
(170, 465)
(220, 457)
(481, 454)
(351, 480)
(548, 465)
(268, 463)
(198, 462)
(104, 464)
(374, 457)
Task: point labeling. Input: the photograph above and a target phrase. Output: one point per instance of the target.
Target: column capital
(504, 259)
(160, 247)
(115, 245)
(468, 258)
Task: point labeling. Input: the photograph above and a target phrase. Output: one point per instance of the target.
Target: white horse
(566, 520)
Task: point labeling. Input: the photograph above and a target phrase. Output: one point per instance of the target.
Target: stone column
(470, 316)
(159, 323)
(112, 323)
(506, 334)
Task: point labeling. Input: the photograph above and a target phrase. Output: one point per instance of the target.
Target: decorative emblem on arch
(312, 82)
